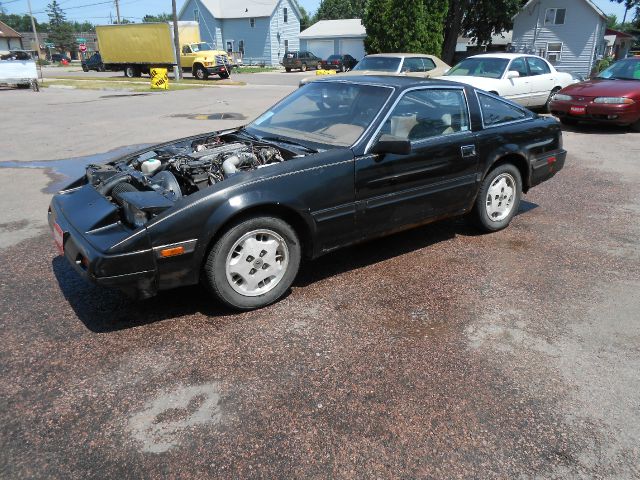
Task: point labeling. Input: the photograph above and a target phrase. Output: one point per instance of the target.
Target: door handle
(468, 151)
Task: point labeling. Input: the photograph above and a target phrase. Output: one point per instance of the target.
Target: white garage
(331, 37)
(353, 46)
(320, 48)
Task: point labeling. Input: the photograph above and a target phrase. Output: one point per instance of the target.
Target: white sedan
(526, 79)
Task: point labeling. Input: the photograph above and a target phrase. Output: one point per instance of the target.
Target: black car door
(436, 179)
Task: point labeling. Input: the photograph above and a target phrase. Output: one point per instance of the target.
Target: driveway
(435, 353)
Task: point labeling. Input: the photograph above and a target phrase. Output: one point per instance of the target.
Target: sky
(99, 11)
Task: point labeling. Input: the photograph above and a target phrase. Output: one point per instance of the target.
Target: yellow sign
(159, 79)
(325, 72)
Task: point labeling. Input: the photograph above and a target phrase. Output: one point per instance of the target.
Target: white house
(568, 33)
(260, 31)
(9, 39)
(332, 37)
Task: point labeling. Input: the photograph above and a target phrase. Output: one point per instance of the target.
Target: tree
(628, 5)
(612, 21)
(159, 18)
(375, 20)
(305, 19)
(60, 31)
(20, 23)
(337, 9)
(405, 26)
(478, 19)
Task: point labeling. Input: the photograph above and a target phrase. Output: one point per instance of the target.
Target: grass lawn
(250, 69)
(112, 85)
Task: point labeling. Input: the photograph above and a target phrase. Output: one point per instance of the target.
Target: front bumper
(134, 272)
(597, 112)
(218, 69)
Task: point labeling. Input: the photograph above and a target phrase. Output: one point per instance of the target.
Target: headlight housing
(614, 100)
(133, 215)
(562, 97)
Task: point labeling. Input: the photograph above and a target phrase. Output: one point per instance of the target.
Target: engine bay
(151, 182)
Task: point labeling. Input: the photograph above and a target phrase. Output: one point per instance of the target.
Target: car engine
(153, 181)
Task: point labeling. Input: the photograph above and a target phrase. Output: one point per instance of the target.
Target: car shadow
(104, 310)
(384, 248)
(602, 129)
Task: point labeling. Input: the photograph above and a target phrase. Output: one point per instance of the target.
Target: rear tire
(85, 68)
(498, 198)
(253, 263)
(303, 68)
(130, 71)
(319, 66)
(287, 69)
(551, 94)
(342, 69)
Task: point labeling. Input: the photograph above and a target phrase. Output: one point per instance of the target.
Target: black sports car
(336, 162)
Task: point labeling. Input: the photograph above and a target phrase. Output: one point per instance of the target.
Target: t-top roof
(335, 28)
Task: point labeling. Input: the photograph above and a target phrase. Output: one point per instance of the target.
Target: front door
(437, 178)
(517, 89)
(187, 57)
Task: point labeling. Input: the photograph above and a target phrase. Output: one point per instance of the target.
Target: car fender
(509, 150)
(245, 203)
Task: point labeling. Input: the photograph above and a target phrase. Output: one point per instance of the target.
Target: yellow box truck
(135, 48)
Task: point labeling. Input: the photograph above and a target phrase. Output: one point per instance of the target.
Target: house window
(196, 14)
(286, 45)
(252, 22)
(554, 52)
(241, 47)
(286, 16)
(554, 16)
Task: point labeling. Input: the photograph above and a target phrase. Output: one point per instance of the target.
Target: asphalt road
(436, 353)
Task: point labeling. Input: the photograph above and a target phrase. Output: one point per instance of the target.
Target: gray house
(258, 31)
(568, 33)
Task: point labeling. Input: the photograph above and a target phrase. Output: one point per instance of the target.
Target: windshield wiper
(289, 142)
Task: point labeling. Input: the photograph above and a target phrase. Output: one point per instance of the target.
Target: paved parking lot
(436, 353)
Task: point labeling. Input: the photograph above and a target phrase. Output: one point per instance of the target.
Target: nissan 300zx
(336, 162)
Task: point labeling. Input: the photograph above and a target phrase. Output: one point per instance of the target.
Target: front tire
(303, 68)
(498, 198)
(200, 73)
(254, 263)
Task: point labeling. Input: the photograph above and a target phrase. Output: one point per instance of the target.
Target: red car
(611, 97)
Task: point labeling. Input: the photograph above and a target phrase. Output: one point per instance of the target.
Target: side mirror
(393, 145)
(512, 74)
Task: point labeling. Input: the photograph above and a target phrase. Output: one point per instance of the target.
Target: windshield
(196, 47)
(322, 114)
(480, 67)
(628, 69)
(379, 64)
(334, 57)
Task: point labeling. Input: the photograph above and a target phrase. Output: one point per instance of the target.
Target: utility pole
(118, 10)
(176, 42)
(33, 26)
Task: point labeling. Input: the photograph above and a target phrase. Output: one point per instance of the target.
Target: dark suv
(94, 62)
(301, 60)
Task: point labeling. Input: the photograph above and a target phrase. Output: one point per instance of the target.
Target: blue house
(258, 31)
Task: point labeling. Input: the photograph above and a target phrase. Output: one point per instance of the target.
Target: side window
(519, 66)
(428, 113)
(286, 45)
(413, 65)
(537, 66)
(428, 64)
(286, 15)
(495, 111)
(186, 50)
(252, 22)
